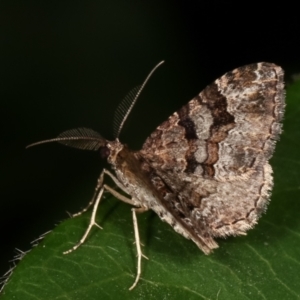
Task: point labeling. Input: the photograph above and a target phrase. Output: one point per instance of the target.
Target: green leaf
(265, 264)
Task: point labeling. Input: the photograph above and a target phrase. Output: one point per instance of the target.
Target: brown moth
(205, 170)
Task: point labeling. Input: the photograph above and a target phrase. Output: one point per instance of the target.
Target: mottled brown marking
(189, 126)
(240, 114)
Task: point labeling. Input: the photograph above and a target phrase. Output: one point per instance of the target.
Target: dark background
(67, 64)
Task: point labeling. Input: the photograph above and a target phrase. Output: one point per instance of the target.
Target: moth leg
(91, 224)
(112, 191)
(136, 229)
(137, 242)
(97, 189)
(115, 180)
(121, 197)
(95, 201)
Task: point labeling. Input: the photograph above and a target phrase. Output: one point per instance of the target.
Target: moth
(205, 170)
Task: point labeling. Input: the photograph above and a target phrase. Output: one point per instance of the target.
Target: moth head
(114, 148)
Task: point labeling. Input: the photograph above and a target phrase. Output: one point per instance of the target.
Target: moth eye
(104, 152)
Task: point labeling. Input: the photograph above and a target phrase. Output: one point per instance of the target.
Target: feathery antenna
(80, 138)
(126, 105)
(88, 139)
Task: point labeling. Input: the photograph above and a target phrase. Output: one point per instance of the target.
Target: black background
(67, 64)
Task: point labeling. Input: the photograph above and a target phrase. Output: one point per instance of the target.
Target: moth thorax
(114, 148)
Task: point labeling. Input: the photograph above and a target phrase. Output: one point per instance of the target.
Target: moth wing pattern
(209, 160)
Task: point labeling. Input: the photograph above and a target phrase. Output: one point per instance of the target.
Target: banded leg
(138, 244)
(100, 188)
(96, 200)
(97, 189)
(91, 224)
